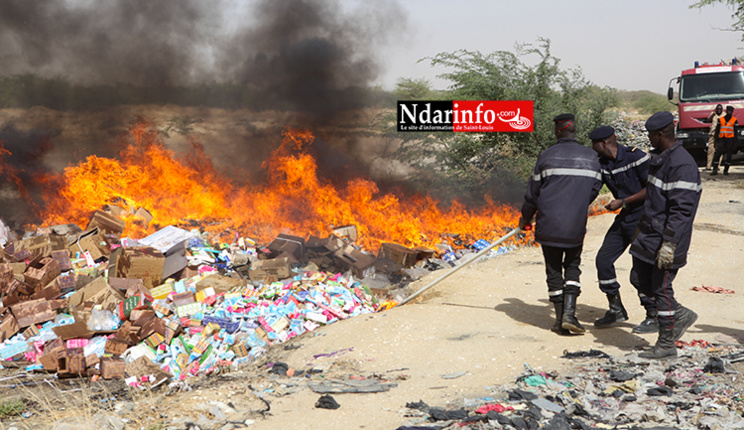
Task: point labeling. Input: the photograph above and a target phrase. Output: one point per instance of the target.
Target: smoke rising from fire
(306, 55)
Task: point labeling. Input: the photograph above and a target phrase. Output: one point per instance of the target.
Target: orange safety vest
(727, 130)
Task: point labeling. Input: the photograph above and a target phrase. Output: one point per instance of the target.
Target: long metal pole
(455, 269)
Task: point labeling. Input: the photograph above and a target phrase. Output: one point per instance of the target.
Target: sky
(306, 49)
(625, 44)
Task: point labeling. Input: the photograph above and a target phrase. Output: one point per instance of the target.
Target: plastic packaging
(102, 320)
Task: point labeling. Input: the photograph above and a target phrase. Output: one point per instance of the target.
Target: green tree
(472, 163)
(736, 5)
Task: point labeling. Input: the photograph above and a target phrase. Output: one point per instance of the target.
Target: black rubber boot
(649, 325)
(664, 347)
(617, 312)
(559, 320)
(683, 319)
(569, 321)
(725, 169)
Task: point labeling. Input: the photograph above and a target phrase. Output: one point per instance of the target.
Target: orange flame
(182, 191)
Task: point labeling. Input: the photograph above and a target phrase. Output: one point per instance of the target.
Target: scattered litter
(610, 392)
(583, 354)
(712, 289)
(454, 375)
(326, 401)
(351, 386)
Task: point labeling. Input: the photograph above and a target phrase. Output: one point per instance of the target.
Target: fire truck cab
(700, 89)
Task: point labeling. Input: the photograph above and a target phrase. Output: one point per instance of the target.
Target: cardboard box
(294, 245)
(91, 241)
(68, 231)
(40, 277)
(62, 257)
(49, 361)
(6, 274)
(32, 312)
(107, 223)
(50, 292)
(112, 368)
(171, 241)
(116, 347)
(40, 245)
(277, 267)
(398, 253)
(347, 231)
(54, 346)
(76, 330)
(98, 292)
(18, 287)
(154, 325)
(8, 326)
(144, 263)
(361, 264)
(71, 362)
(144, 216)
(220, 283)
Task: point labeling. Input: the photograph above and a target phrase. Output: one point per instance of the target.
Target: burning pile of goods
(125, 298)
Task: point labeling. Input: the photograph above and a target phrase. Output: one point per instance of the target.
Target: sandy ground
(492, 317)
(485, 322)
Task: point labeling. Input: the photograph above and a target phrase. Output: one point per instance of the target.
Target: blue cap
(564, 117)
(659, 120)
(601, 133)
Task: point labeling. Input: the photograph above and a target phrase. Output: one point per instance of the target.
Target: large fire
(187, 191)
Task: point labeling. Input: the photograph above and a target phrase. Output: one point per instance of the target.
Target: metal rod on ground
(455, 269)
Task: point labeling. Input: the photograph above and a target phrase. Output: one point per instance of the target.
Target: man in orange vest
(726, 141)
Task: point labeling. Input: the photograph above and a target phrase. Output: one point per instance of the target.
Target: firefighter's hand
(665, 256)
(524, 225)
(614, 205)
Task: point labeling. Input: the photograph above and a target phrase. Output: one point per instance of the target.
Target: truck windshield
(709, 87)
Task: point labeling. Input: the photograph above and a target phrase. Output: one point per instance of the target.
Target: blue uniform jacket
(672, 197)
(625, 176)
(565, 181)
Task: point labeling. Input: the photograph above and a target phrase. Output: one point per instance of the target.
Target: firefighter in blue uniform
(665, 230)
(624, 171)
(564, 182)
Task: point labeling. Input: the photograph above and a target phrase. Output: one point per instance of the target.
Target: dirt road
(492, 317)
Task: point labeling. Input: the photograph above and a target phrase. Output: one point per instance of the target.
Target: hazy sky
(626, 44)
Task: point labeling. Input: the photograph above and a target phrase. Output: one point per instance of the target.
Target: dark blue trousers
(616, 241)
(562, 271)
(657, 283)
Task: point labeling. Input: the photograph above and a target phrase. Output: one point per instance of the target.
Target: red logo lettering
(487, 116)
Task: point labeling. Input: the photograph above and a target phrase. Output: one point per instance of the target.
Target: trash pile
(631, 132)
(171, 305)
(691, 391)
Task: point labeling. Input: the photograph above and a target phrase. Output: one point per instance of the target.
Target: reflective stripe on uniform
(555, 293)
(574, 283)
(666, 313)
(679, 185)
(626, 167)
(567, 172)
(727, 128)
(607, 281)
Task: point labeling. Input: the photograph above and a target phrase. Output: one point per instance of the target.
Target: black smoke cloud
(303, 55)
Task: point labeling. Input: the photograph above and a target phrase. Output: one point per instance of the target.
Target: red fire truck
(700, 90)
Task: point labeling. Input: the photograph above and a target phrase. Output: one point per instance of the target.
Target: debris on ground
(173, 305)
(693, 390)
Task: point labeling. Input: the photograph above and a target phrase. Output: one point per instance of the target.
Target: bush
(470, 165)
